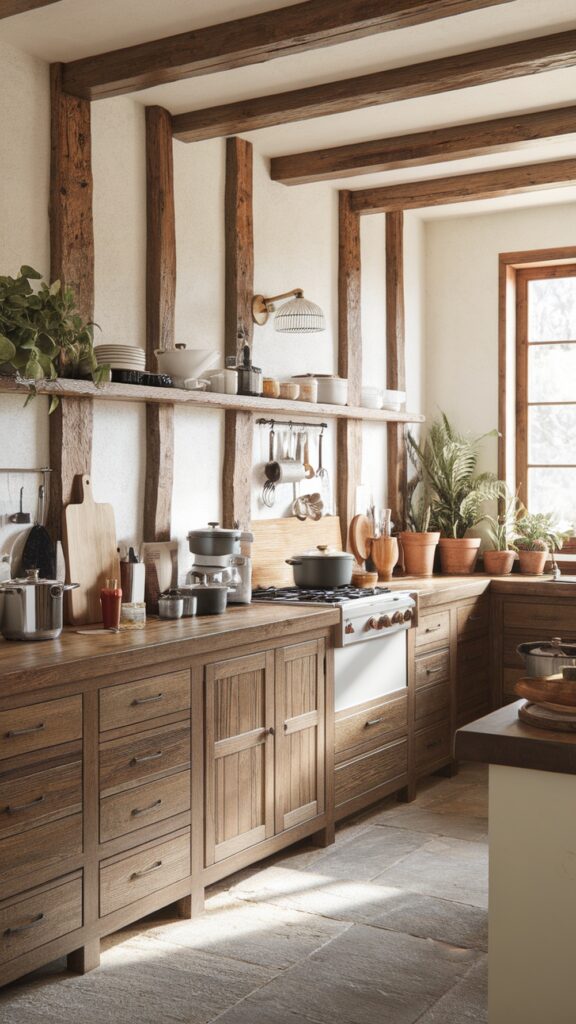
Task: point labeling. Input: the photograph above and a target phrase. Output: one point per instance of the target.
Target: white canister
(308, 389)
(224, 381)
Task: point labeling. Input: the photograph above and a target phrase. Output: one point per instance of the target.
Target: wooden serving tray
(547, 718)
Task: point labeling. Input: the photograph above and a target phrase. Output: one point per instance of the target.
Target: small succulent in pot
(538, 536)
(42, 334)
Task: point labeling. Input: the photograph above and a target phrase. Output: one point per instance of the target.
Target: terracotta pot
(458, 555)
(384, 553)
(532, 562)
(498, 563)
(419, 550)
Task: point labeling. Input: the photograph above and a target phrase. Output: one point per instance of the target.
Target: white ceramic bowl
(183, 363)
(332, 390)
(372, 398)
(393, 400)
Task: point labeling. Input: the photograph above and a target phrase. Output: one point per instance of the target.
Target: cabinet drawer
(368, 724)
(433, 629)
(369, 771)
(51, 794)
(37, 847)
(130, 703)
(473, 617)
(535, 615)
(40, 725)
(125, 881)
(125, 762)
(135, 808)
(433, 702)
(432, 745)
(40, 918)
(432, 668)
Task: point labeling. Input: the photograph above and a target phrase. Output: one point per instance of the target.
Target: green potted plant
(448, 463)
(502, 531)
(418, 542)
(537, 537)
(42, 335)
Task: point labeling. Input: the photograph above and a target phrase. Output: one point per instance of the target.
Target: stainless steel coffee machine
(222, 557)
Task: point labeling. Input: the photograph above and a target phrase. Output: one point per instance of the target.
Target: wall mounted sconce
(296, 316)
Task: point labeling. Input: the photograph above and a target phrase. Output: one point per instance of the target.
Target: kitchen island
(137, 768)
(532, 888)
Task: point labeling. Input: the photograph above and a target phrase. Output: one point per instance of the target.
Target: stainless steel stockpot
(33, 607)
(544, 658)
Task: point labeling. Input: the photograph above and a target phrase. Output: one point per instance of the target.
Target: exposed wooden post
(349, 432)
(160, 303)
(396, 362)
(239, 426)
(72, 262)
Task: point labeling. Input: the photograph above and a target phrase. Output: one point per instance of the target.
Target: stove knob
(374, 623)
(408, 614)
(398, 617)
(349, 628)
(384, 621)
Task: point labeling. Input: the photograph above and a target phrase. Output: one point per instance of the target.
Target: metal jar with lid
(33, 607)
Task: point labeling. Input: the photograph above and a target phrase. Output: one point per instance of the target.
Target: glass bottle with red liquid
(111, 601)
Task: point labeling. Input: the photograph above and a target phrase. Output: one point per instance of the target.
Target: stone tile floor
(388, 926)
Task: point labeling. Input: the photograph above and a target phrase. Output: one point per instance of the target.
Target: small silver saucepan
(33, 607)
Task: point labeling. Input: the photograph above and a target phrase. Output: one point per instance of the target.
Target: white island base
(532, 897)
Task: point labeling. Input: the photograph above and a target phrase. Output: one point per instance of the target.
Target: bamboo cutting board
(275, 540)
(91, 555)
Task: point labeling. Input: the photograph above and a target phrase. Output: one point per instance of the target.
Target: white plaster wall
(462, 308)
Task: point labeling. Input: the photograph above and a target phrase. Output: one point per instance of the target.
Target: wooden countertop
(501, 738)
(440, 589)
(72, 657)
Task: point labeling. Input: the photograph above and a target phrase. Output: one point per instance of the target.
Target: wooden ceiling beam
(8, 8)
(460, 71)
(252, 40)
(460, 188)
(454, 143)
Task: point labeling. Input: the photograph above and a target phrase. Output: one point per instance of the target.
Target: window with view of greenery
(546, 389)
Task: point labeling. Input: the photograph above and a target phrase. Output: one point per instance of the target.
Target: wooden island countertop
(501, 738)
(27, 665)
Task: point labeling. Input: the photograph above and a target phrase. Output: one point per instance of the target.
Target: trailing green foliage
(447, 466)
(418, 510)
(42, 335)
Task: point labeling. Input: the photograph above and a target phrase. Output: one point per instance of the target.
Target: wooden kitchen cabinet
(265, 747)
(518, 619)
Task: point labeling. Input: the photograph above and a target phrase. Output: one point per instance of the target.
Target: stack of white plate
(121, 357)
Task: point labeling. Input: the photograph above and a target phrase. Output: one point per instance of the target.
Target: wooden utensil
(546, 718)
(360, 536)
(384, 553)
(91, 555)
(557, 691)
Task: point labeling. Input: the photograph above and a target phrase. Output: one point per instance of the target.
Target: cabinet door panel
(239, 755)
(300, 730)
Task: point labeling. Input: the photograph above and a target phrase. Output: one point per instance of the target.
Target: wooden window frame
(515, 271)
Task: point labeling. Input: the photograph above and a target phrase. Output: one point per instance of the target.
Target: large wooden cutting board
(91, 555)
(275, 540)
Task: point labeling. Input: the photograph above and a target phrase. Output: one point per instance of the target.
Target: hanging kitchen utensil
(39, 551)
(308, 467)
(91, 553)
(321, 472)
(20, 516)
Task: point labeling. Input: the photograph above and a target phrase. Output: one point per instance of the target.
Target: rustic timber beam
(460, 188)
(460, 71)
(349, 432)
(72, 262)
(251, 40)
(239, 289)
(454, 143)
(396, 362)
(160, 302)
(8, 8)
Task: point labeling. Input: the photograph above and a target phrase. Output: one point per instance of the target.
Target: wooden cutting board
(275, 540)
(91, 555)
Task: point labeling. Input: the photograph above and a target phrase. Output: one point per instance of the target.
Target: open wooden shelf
(270, 407)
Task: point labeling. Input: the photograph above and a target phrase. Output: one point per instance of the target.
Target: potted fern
(448, 462)
(418, 542)
(537, 537)
(502, 531)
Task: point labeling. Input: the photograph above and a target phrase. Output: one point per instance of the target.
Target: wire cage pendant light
(295, 316)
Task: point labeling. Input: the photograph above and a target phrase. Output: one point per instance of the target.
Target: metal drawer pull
(23, 927)
(145, 757)
(433, 671)
(146, 871)
(373, 721)
(147, 700)
(433, 743)
(433, 629)
(12, 733)
(24, 807)
(474, 618)
(144, 810)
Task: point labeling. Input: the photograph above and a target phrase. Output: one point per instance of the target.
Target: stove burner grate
(328, 595)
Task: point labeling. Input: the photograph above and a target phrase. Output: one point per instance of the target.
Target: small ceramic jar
(271, 387)
(308, 389)
(289, 390)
